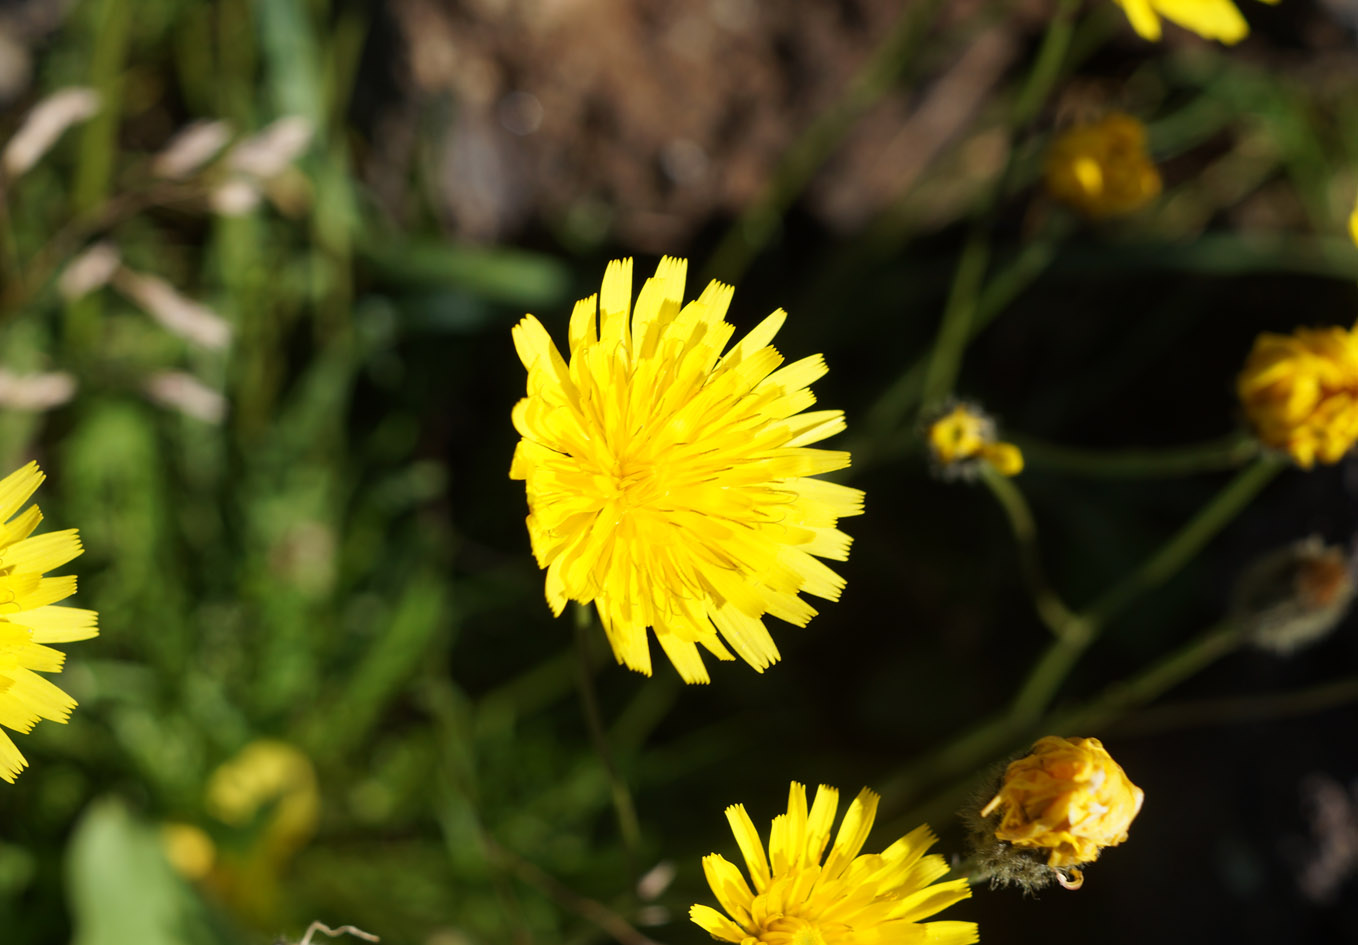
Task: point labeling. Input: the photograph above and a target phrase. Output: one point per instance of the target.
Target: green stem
(1053, 611)
(1269, 706)
(752, 230)
(1188, 660)
(955, 330)
(628, 825)
(1228, 453)
(897, 402)
(1056, 663)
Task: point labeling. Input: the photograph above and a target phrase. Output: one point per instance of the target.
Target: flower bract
(1102, 168)
(1300, 393)
(1067, 797)
(29, 623)
(800, 895)
(669, 478)
(1210, 19)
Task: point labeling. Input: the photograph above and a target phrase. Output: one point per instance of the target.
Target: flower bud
(1103, 169)
(965, 437)
(1065, 801)
(1294, 596)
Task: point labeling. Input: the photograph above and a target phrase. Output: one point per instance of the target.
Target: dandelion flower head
(1210, 19)
(802, 896)
(670, 483)
(965, 436)
(1300, 393)
(29, 623)
(1102, 168)
(1068, 797)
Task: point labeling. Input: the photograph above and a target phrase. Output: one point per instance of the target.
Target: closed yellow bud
(1102, 169)
(1067, 797)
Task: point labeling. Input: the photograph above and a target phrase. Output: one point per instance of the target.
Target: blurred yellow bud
(189, 849)
(1067, 797)
(270, 779)
(1300, 393)
(1102, 169)
(965, 436)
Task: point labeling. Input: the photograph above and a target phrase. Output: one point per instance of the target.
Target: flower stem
(955, 329)
(628, 825)
(1056, 663)
(1053, 611)
(1227, 453)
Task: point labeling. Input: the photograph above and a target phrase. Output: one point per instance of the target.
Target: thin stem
(955, 330)
(1055, 664)
(628, 825)
(590, 910)
(1227, 453)
(1053, 611)
(1255, 708)
(752, 230)
(1190, 659)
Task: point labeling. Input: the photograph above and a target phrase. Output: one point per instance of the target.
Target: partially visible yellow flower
(1102, 168)
(1300, 393)
(965, 436)
(669, 482)
(28, 621)
(1210, 19)
(1353, 224)
(845, 900)
(1067, 797)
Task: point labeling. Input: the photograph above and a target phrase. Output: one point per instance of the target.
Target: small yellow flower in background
(846, 900)
(1102, 168)
(669, 483)
(965, 436)
(1210, 19)
(1300, 393)
(268, 775)
(1067, 797)
(1353, 224)
(28, 621)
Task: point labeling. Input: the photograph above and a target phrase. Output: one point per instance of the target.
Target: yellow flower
(847, 899)
(28, 621)
(1210, 19)
(1300, 392)
(1353, 224)
(1102, 169)
(964, 436)
(272, 776)
(1068, 797)
(668, 482)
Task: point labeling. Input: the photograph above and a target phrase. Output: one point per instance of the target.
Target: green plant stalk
(1007, 732)
(1228, 453)
(1056, 663)
(1268, 706)
(752, 230)
(955, 330)
(898, 400)
(1053, 611)
(628, 825)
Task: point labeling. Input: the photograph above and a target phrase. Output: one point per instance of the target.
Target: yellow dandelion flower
(670, 483)
(1300, 393)
(845, 900)
(1353, 224)
(1210, 19)
(1102, 168)
(28, 621)
(1068, 797)
(964, 436)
